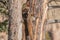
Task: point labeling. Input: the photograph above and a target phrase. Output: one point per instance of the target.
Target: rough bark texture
(38, 9)
(44, 17)
(54, 14)
(15, 19)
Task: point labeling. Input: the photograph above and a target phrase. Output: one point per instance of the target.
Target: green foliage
(3, 25)
(3, 7)
(3, 10)
(48, 36)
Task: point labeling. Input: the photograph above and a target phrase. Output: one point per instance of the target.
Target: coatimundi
(27, 21)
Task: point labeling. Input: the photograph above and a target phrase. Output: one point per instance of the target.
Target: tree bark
(15, 19)
(39, 10)
(44, 17)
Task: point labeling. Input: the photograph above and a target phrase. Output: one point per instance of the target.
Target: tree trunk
(44, 17)
(15, 19)
(38, 10)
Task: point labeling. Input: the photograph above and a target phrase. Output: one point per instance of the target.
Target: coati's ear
(24, 1)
